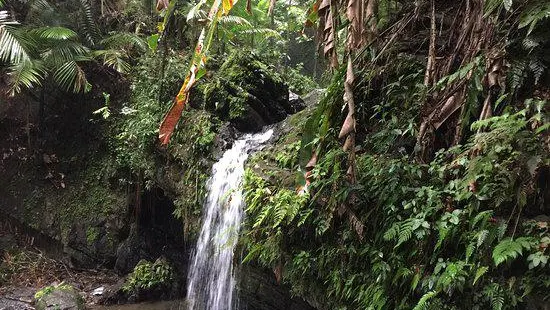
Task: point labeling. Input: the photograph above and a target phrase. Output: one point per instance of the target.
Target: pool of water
(159, 305)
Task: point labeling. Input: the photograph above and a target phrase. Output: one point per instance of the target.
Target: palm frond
(55, 33)
(41, 12)
(87, 23)
(71, 77)
(122, 40)
(62, 51)
(196, 13)
(24, 74)
(233, 20)
(12, 43)
(114, 59)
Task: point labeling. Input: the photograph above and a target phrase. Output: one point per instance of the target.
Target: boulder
(295, 102)
(58, 297)
(258, 290)
(248, 94)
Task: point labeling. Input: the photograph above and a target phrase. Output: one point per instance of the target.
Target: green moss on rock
(61, 296)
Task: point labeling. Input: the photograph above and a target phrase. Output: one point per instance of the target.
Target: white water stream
(211, 281)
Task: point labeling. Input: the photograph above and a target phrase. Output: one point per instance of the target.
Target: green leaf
(479, 273)
(25, 74)
(55, 33)
(13, 44)
(153, 41)
(423, 303)
(509, 249)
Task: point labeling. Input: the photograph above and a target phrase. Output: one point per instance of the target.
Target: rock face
(249, 94)
(258, 290)
(68, 186)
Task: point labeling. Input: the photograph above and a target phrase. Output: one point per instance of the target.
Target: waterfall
(211, 281)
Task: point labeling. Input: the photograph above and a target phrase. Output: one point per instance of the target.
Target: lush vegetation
(439, 197)
(149, 276)
(420, 181)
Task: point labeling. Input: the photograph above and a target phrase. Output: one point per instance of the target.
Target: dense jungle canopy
(416, 175)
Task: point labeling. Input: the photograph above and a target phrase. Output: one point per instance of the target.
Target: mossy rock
(58, 297)
(247, 93)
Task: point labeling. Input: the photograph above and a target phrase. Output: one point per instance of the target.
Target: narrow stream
(211, 280)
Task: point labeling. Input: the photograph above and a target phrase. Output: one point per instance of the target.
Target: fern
(114, 59)
(234, 20)
(510, 249)
(262, 216)
(406, 230)
(479, 273)
(424, 302)
(392, 232)
(71, 77)
(87, 23)
(495, 295)
(55, 33)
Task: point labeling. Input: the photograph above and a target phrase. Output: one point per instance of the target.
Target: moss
(41, 296)
(85, 199)
(92, 234)
(246, 67)
(44, 292)
(240, 77)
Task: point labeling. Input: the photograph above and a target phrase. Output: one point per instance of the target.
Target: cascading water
(211, 281)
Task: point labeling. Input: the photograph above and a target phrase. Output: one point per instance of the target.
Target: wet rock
(16, 298)
(295, 103)
(258, 290)
(313, 97)
(224, 139)
(130, 251)
(248, 94)
(113, 294)
(58, 297)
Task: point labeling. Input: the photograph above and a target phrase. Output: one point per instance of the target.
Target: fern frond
(510, 249)
(479, 273)
(424, 302)
(481, 237)
(264, 213)
(537, 67)
(406, 230)
(63, 51)
(495, 295)
(87, 23)
(280, 213)
(392, 233)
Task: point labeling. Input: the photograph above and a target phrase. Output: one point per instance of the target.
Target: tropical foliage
(433, 192)
(55, 44)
